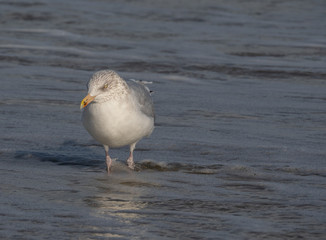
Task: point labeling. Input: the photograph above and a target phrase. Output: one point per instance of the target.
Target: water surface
(238, 151)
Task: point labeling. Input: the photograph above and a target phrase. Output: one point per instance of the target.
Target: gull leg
(108, 160)
(130, 160)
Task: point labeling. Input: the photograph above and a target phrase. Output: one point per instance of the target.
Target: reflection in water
(238, 151)
(119, 194)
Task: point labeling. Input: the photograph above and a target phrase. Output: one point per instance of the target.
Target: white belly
(116, 125)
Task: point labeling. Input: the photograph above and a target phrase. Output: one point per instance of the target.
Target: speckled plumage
(117, 113)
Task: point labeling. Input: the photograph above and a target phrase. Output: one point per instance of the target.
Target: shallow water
(238, 151)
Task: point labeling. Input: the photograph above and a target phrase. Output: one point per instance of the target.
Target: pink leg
(130, 160)
(108, 160)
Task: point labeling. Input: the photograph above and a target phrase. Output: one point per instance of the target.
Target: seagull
(117, 113)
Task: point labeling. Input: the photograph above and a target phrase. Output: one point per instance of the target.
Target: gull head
(102, 86)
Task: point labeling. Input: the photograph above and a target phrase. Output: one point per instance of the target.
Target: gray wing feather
(142, 94)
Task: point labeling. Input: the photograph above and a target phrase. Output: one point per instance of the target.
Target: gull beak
(87, 100)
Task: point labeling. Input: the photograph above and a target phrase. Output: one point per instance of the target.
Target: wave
(240, 172)
(144, 165)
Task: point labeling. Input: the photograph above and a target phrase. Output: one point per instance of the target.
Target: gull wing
(140, 92)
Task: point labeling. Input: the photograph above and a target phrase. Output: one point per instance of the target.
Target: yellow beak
(87, 100)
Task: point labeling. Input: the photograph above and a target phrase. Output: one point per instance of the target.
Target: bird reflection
(121, 196)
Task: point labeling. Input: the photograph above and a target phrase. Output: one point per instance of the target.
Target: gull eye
(106, 86)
